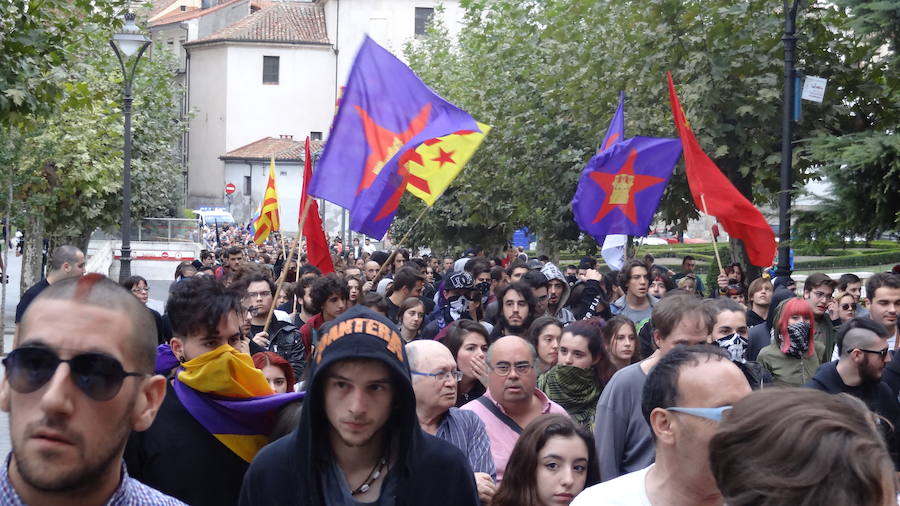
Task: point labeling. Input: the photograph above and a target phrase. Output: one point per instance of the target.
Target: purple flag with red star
(620, 188)
(386, 112)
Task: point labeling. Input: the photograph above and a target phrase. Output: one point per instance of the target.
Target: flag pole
(715, 240)
(390, 258)
(284, 270)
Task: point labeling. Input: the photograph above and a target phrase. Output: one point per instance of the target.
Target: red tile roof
(159, 6)
(263, 149)
(191, 13)
(287, 21)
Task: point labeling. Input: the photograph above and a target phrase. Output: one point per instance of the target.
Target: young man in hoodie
(558, 291)
(359, 439)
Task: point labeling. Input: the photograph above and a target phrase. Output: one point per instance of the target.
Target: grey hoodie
(563, 314)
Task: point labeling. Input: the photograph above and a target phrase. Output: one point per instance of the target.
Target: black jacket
(876, 395)
(429, 471)
(284, 339)
(891, 374)
(179, 457)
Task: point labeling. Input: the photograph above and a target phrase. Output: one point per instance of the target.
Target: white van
(210, 216)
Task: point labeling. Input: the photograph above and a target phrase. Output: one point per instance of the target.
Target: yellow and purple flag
(268, 219)
(391, 134)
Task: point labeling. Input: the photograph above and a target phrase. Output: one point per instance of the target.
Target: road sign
(230, 188)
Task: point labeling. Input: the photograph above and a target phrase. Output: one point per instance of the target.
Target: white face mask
(736, 345)
(458, 306)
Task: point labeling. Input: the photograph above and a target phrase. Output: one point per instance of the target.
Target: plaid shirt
(130, 492)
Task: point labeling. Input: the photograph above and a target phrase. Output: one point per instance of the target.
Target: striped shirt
(129, 493)
(464, 430)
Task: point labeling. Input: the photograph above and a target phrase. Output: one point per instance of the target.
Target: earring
(181, 359)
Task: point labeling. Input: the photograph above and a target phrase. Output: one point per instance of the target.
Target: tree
(546, 76)
(67, 166)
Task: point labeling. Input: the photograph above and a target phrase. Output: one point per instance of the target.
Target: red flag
(316, 244)
(722, 200)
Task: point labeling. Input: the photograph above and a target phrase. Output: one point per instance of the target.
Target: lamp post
(787, 134)
(126, 43)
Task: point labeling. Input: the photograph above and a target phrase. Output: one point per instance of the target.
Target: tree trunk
(32, 253)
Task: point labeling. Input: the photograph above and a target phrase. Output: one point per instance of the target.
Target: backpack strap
(503, 417)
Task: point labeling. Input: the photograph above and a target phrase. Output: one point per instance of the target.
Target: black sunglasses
(847, 307)
(883, 353)
(99, 376)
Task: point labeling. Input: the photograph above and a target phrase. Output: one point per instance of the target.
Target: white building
(262, 69)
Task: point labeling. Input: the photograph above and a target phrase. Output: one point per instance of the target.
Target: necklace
(373, 475)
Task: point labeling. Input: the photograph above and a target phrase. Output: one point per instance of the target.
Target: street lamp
(126, 43)
(787, 134)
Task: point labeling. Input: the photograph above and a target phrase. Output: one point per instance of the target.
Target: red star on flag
(605, 181)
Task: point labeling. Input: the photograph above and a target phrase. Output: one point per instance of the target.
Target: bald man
(513, 399)
(434, 379)
(864, 352)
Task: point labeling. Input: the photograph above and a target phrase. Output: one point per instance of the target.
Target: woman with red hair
(793, 355)
(278, 371)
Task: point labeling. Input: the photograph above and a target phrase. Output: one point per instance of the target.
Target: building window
(270, 70)
(315, 136)
(247, 185)
(423, 19)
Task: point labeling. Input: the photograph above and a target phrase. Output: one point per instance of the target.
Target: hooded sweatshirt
(423, 469)
(563, 314)
(761, 335)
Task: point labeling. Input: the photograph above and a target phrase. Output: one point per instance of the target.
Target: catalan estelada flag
(391, 134)
(268, 219)
(230, 398)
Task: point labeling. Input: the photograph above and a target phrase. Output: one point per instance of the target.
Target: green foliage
(546, 76)
(68, 165)
(36, 57)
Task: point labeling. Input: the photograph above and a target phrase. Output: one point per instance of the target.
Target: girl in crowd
(794, 355)
(576, 381)
(278, 371)
(138, 287)
(844, 308)
(620, 343)
(468, 343)
(412, 312)
(544, 335)
(659, 284)
(354, 283)
(552, 462)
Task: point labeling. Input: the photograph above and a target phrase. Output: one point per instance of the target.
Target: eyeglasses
(714, 414)
(254, 295)
(99, 376)
(503, 368)
(823, 295)
(849, 307)
(442, 375)
(883, 352)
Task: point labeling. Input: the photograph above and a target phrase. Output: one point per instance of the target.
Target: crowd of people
(458, 380)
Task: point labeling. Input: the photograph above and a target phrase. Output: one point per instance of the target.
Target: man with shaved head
(512, 400)
(434, 379)
(864, 352)
(65, 262)
(69, 423)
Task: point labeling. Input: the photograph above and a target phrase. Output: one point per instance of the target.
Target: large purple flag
(385, 112)
(620, 188)
(616, 131)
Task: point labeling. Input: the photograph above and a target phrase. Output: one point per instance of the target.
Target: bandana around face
(798, 332)
(736, 345)
(458, 306)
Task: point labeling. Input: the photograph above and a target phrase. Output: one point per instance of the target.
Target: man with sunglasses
(683, 400)
(79, 381)
(864, 353)
(512, 400)
(434, 378)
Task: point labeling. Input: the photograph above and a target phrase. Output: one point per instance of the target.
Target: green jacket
(792, 371)
(825, 334)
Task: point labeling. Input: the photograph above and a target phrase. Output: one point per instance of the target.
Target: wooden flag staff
(715, 235)
(390, 258)
(287, 263)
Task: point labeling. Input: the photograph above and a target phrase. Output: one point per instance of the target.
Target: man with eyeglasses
(281, 337)
(69, 423)
(434, 379)
(512, 399)
(683, 400)
(818, 290)
(864, 353)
